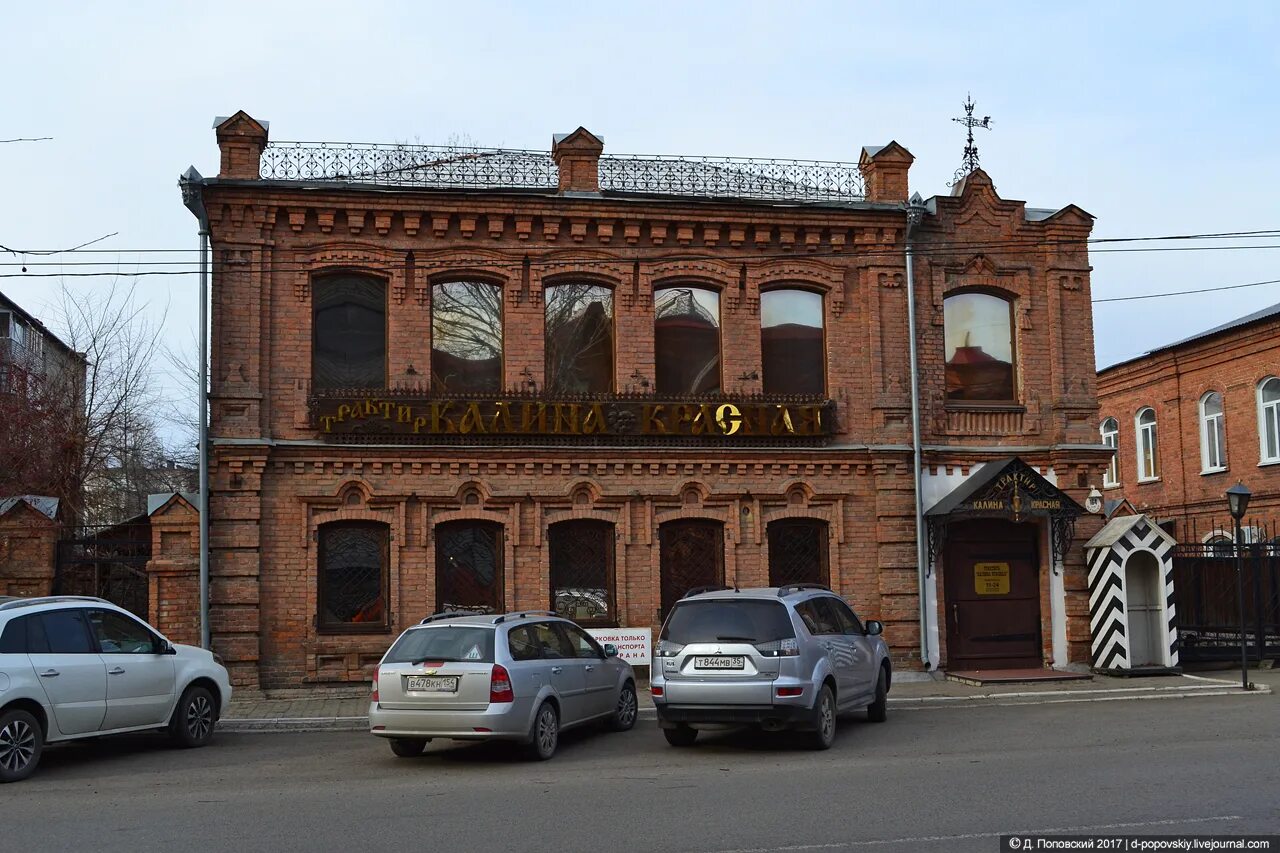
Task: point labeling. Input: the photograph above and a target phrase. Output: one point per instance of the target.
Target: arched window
(979, 347)
(349, 332)
(466, 337)
(798, 551)
(1213, 435)
(1148, 447)
(686, 340)
(690, 555)
(1219, 545)
(1110, 430)
(351, 591)
(792, 348)
(579, 342)
(582, 577)
(1269, 419)
(469, 566)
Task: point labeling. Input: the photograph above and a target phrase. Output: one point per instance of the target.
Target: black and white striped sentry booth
(1131, 610)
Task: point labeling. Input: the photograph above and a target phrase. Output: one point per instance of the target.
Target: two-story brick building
(1190, 419)
(514, 379)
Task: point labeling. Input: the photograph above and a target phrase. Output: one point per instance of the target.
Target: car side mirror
(166, 648)
(874, 628)
(610, 650)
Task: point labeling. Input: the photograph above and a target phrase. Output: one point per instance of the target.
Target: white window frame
(1208, 464)
(1111, 477)
(1147, 434)
(1269, 411)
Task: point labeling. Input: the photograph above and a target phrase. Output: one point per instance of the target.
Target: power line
(1186, 292)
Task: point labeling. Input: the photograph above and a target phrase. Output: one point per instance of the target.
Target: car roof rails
(699, 590)
(447, 614)
(788, 588)
(524, 614)
(50, 599)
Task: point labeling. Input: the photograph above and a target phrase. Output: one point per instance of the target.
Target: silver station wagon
(520, 677)
(777, 657)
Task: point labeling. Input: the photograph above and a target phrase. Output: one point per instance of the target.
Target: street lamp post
(1238, 503)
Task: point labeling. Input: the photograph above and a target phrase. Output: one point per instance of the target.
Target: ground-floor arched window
(691, 555)
(582, 571)
(798, 552)
(352, 577)
(469, 566)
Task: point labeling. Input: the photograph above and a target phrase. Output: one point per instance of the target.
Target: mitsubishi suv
(73, 668)
(789, 657)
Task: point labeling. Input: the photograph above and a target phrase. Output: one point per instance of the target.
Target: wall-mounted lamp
(409, 371)
(529, 381)
(750, 376)
(640, 379)
(1093, 503)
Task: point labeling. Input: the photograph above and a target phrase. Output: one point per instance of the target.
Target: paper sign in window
(991, 578)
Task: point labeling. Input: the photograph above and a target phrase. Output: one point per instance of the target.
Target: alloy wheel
(199, 717)
(548, 730)
(827, 718)
(627, 708)
(17, 745)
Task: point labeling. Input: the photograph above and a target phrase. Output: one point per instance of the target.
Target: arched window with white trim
(1110, 431)
(1213, 434)
(1148, 445)
(1269, 419)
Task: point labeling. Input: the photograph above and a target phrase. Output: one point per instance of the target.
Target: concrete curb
(920, 703)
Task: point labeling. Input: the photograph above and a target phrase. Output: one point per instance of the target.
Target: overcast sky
(1157, 118)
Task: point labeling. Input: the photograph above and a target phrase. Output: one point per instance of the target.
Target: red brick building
(1191, 419)
(517, 379)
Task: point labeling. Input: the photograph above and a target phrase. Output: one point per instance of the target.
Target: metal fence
(1207, 593)
(455, 167)
(107, 562)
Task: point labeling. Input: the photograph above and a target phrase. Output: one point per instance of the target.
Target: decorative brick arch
(721, 276)
(598, 267)
(811, 275)
(362, 258)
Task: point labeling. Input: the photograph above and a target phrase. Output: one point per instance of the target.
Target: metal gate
(1207, 598)
(107, 562)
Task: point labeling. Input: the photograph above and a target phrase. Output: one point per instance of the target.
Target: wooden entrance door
(992, 601)
(692, 555)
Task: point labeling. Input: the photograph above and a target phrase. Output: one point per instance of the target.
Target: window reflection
(579, 344)
(979, 347)
(466, 337)
(686, 339)
(791, 342)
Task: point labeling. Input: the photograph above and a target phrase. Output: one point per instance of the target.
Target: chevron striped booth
(1131, 611)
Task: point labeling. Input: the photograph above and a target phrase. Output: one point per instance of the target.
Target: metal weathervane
(970, 164)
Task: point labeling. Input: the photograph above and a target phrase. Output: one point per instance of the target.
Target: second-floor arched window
(579, 338)
(1148, 445)
(466, 337)
(1110, 431)
(349, 332)
(979, 347)
(1213, 435)
(792, 346)
(686, 340)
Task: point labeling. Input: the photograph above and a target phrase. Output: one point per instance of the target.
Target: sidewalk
(346, 709)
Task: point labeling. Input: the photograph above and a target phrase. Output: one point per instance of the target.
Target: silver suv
(74, 667)
(519, 676)
(779, 657)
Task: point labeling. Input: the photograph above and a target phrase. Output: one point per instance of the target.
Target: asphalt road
(946, 780)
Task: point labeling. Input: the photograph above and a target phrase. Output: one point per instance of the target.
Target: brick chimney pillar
(577, 156)
(884, 168)
(241, 139)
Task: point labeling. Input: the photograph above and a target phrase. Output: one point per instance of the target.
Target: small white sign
(633, 644)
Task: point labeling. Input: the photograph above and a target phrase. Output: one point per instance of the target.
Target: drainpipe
(192, 185)
(915, 212)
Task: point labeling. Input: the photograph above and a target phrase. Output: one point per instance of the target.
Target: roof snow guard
(456, 167)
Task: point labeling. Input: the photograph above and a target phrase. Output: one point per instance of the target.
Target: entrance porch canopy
(1006, 488)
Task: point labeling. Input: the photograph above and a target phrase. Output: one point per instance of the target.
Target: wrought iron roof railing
(452, 167)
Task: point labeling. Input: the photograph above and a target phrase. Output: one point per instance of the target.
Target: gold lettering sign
(991, 578)
(421, 416)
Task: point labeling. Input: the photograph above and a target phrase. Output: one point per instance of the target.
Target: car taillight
(374, 697)
(667, 649)
(500, 686)
(790, 691)
(655, 690)
(789, 647)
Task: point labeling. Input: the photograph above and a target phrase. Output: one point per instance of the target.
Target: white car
(73, 668)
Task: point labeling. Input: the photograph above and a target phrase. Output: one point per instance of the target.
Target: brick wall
(173, 572)
(1173, 382)
(28, 550)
